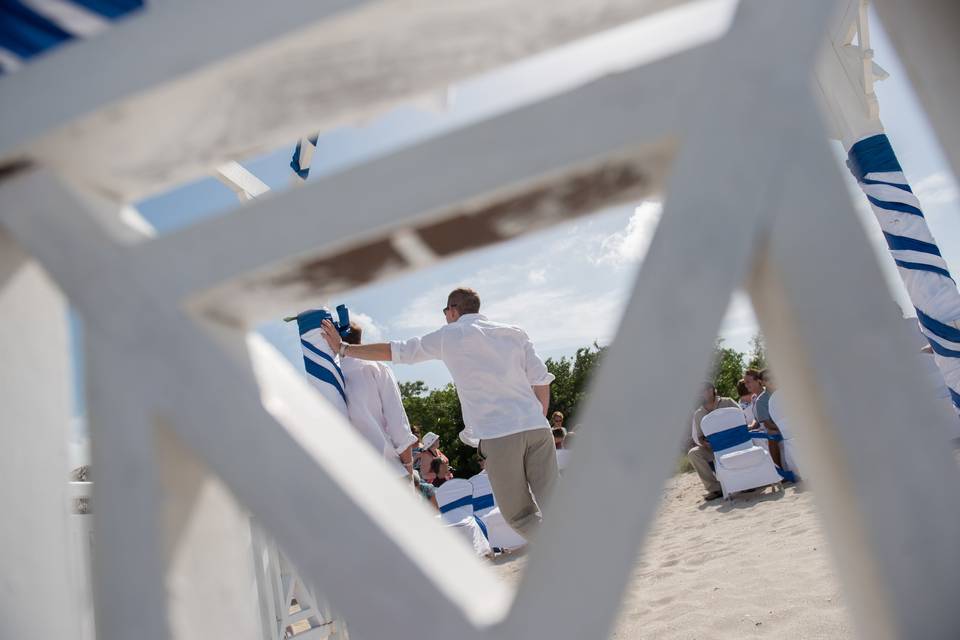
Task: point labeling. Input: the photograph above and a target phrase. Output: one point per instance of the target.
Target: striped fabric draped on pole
(319, 361)
(932, 290)
(30, 27)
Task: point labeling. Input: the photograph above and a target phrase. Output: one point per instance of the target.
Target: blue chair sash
(465, 501)
(483, 502)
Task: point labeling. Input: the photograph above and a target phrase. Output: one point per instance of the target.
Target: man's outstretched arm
(372, 351)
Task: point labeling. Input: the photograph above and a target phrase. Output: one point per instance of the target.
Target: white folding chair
(789, 448)
(499, 533)
(563, 458)
(455, 499)
(739, 463)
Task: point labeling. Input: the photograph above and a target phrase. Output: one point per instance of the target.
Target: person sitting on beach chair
(701, 455)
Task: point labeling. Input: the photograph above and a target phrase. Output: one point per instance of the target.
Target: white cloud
(937, 188)
(630, 244)
(537, 276)
(372, 332)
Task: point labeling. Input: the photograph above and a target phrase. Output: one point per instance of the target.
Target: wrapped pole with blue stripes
(319, 361)
(925, 274)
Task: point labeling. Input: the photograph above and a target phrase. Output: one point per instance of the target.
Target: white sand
(758, 567)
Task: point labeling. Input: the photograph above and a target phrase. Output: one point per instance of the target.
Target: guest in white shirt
(375, 408)
(504, 390)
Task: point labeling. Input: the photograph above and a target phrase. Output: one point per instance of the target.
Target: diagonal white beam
(537, 165)
(716, 208)
(932, 65)
(366, 542)
(225, 93)
(872, 439)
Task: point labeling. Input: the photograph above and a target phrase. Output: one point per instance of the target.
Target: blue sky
(566, 286)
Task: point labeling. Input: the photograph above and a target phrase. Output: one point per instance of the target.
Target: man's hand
(330, 335)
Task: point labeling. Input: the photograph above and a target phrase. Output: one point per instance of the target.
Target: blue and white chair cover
(319, 361)
(500, 534)
(739, 463)
(473, 531)
(791, 461)
(483, 500)
(455, 499)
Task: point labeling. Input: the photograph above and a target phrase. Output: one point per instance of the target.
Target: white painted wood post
(37, 595)
(211, 580)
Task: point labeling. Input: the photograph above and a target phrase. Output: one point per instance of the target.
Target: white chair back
(455, 499)
(483, 500)
(739, 463)
(719, 424)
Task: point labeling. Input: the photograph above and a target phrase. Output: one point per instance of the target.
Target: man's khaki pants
(701, 458)
(519, 464)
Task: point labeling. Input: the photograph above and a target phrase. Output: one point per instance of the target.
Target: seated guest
(440, 471)
(762, 410)
(427, 490)
(701, 455)
(431, 450)
(559, 433)
(556, 420)
(746, 401)
(754, 382)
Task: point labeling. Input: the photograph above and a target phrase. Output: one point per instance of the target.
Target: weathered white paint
(925, 35)
(37, 595)
(269, 78)
(739, 120)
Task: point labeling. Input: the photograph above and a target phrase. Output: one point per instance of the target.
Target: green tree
(758, 353)
(572, 378)
(438, 410)
(727, 369)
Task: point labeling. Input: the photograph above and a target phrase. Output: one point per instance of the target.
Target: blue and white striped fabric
(30, 27)
(932, 290)
(319, 361)
(303, 157)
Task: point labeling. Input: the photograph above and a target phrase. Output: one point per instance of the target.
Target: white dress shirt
(493, 366)
(376, 410)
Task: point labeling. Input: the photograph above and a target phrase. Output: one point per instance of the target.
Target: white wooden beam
(513, 173)
(36, 395)
(925, 35)
(367, 543)
(872, 439)
(715, 210)
(223, 94)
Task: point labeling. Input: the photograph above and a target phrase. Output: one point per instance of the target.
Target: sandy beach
(758, 567)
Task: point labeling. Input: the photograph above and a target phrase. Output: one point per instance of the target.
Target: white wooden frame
(173, 395)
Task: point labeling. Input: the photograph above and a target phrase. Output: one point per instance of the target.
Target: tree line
(438, 410)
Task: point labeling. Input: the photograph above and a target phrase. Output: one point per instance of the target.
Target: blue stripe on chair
(903, 243)
(27, 33)
(895, 206)
(465, 501)
(483, 502)
(941, 350)
(322, 373)
(325, 356)
(955, 397)
(938, 328)
(919, 266)
(872, 155)
(904, 187)
(111, 9)
(483, 528)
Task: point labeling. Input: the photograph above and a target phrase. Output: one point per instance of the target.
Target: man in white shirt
(504, 391)
(375, 407)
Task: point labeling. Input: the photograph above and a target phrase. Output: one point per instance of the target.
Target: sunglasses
(448, 307)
